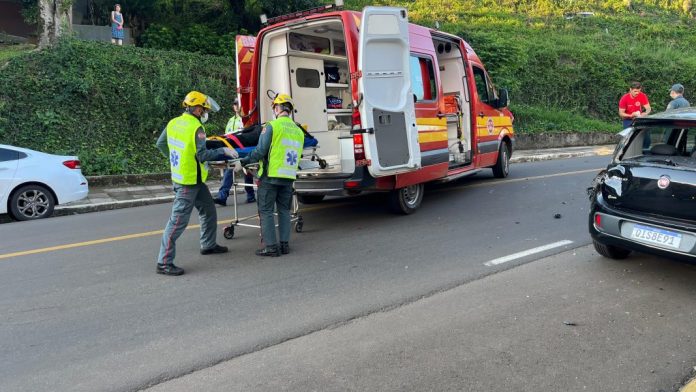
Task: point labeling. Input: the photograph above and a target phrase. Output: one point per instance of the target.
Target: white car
(32, 182)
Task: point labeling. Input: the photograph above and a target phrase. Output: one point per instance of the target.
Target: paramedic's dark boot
(169, 269)
(271, 251)
(219, 201)
(216, 249)
(284, 248)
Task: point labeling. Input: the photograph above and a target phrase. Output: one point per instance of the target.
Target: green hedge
(581, 67)
(105, 103)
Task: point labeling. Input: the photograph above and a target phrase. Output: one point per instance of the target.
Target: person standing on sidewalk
(632, 104)
(678, 101)
(278, 154)
(233, 125)
(183, 142)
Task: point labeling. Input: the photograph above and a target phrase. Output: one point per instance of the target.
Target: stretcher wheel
(228, 232)
(322, 163)
(298, 225)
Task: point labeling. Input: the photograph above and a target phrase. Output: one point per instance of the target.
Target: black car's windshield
(662, 146)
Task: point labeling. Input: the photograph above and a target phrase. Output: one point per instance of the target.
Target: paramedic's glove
(238, 168)
(231, 152)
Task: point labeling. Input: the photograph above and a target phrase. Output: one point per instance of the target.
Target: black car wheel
(406, 200)
(611, 251)
(31, 202)
(502, 165)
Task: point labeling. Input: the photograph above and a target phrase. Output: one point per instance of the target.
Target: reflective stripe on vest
(181, 138)
(285, 150)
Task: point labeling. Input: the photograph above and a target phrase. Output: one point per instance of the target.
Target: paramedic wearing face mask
(183, 142)
(278, 154)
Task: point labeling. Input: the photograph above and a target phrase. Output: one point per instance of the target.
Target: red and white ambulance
(394, 105)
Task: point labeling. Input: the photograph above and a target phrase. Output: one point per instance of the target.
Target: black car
(646, 198)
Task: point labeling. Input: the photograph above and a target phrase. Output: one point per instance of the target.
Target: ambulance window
(308, 78)
(484, 91)
(423, 78)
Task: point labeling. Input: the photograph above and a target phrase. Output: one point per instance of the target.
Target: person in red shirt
(632, 104)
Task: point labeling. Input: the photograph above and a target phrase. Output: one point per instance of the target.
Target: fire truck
(394, 105)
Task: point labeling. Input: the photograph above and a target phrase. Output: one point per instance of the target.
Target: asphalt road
(82, 309)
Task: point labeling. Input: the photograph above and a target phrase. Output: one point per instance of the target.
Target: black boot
(271, 251)
(169, 269)
(216, 249)
(284, 248)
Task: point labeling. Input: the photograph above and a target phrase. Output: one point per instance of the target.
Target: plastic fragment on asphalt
(557, 216)
(569, 323)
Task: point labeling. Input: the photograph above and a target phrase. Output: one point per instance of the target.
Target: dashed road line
(528, 252)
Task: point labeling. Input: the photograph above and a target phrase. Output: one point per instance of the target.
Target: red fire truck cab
(394, 105)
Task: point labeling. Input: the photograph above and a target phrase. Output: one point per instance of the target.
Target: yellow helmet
(282, 99)
(195, 98)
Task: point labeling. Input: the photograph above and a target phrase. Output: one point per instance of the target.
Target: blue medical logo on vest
(174, 158)
(291, 157)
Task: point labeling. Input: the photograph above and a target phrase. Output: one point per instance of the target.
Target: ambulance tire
(310, 199)
(502, 165)
(406, 200)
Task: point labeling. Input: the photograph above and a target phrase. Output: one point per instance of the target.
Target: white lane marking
(505, 259)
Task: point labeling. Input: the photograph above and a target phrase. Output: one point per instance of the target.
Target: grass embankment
(13, 50)
(105, 103)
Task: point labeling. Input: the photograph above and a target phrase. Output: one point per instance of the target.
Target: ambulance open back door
(386, 102)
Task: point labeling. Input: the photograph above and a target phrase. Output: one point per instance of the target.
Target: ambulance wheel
(310, 199)
(228, 232)
(298, 225)
(406, 200)
(502, 165)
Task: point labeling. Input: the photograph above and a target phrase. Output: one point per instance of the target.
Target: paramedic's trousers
(269, 196)
(187, 197)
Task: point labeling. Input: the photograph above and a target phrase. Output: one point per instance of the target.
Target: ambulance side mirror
(502, 100)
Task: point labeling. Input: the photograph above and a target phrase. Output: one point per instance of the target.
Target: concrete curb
(114, 205)
(549, 157)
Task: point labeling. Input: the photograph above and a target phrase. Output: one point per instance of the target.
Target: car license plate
(656, 236)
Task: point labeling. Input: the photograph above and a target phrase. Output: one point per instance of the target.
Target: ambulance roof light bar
(265, 20)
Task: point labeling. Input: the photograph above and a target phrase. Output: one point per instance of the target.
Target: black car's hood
(634, 186)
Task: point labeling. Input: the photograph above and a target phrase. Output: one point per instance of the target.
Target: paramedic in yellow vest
(183, 142)
(278, 154)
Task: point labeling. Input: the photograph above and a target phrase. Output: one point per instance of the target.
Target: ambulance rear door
(387, 110)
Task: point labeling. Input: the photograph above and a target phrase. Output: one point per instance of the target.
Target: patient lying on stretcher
(245, 140)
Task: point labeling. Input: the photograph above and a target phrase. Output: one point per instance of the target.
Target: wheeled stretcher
(228, 231)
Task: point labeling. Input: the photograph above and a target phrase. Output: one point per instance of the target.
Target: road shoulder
(572, 322)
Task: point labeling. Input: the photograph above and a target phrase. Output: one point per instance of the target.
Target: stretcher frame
(228, 231)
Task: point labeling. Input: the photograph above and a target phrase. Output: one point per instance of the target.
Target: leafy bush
(194, 38)
(105, 103)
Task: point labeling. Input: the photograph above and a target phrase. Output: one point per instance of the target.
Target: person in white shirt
(235, 124)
